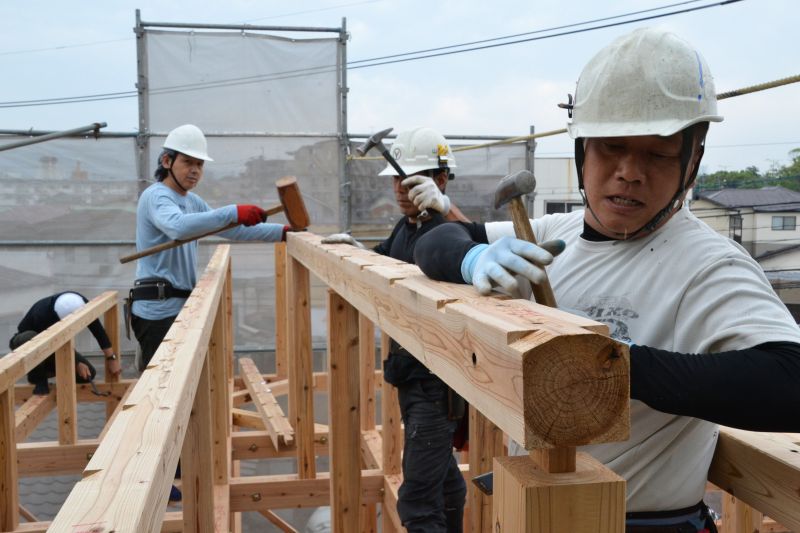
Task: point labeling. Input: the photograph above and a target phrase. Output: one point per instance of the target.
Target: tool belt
(694, 519)
(150, 289)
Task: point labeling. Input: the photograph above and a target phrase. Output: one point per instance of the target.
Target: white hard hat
(67, 303)
(188, 140)
(648, 82)
(420, 149)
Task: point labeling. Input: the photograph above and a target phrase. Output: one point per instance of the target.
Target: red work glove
(285, 229)
(249, 215)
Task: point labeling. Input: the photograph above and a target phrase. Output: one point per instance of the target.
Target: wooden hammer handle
(542, 292)
(178, 242)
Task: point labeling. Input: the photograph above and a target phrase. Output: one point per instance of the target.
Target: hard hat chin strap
(674, 204)
(172, 174)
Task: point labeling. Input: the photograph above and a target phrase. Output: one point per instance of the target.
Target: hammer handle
(542, 292)
(178, 242)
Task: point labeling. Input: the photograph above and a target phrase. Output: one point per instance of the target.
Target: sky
(52, 49)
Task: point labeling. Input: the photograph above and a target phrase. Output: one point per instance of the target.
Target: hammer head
(292, 202)
(376, 139)
(513, 186)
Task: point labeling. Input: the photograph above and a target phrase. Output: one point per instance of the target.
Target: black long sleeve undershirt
(756, 389)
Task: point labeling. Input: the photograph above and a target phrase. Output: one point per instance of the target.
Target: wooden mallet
(291, 204)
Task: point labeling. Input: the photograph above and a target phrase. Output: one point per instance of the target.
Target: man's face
(628, 180)
(186, 170)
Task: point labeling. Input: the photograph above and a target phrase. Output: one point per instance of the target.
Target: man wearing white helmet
(432, 496)
(169, 210)
(43, 314)
(703, 323)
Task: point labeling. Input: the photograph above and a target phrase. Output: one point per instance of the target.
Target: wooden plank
(371, 449)
(144, 441)
(344, 416)
(31, 413)
(762, 470)
(281, 311)
(392, 422)
(66, 397)
(512, 359)
(221, 401)
(222, 507)
(24, 359)
(370, 439)
(54, 459)
(257, 493)
(272, 416)
(526, 498)
(247, 445)
(111, 325)
(485, 443)
(120, 402)
(301, 391)
(9, 490)
(197, 479)
(391, 520)
(366, 351)
(278, 522)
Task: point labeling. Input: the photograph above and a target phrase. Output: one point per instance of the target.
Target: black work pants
(150, 333)
(47, 369)
(432, 496)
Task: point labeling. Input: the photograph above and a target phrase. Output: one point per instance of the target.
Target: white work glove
(342, 238)
(496, 264)
(425, 194)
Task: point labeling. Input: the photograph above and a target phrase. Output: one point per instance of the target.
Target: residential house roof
(765, 199)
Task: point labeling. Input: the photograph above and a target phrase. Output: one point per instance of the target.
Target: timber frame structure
(547, 379)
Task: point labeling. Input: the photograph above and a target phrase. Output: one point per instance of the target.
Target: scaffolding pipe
(95, 126)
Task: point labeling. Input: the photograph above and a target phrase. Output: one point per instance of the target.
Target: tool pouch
(126, 311)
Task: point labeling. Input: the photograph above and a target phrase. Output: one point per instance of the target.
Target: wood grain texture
(537, 373)
(391, 421)
(301, 381)
(66, 397)
(31, 413)
(344, 416)
(762, 470)
(9, 490)
(485, 443)
(144, 442)
(526, 498)
(281, 311)
(275, 422)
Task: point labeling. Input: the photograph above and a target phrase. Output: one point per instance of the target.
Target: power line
(554, 28)
(331, 68)
(572, 32)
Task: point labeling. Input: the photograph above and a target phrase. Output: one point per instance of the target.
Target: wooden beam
(247, 445)
(111, 325)
(391, 421)
(301, 389)
(391, 520)
(197, 478)
(485, 443)
(257, 493)
(53, 459)
(762, 470)
(366, 351)
(9, 490)
(144, 441)
(66, 398)
(281, 311)
(219, 352)
(272, 416)
(278, 522)
(513, 359)
(25, 358)
(31, 413)
(371, 449)
(527, 498)
(117, 410)
(344, 418)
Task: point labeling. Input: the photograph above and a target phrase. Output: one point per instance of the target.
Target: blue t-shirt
(162, 216)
